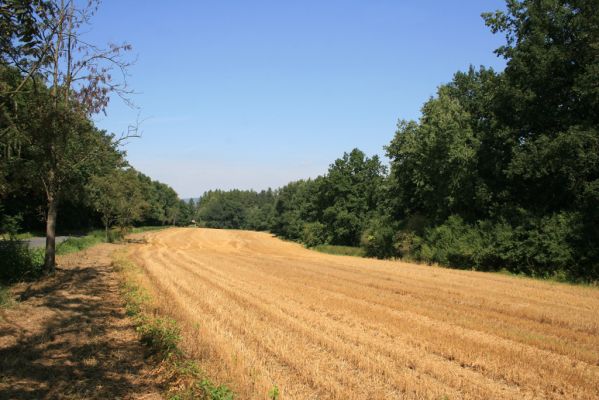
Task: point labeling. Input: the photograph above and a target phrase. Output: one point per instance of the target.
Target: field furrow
(258, 312)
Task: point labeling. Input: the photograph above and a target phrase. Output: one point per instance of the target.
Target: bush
(542, 247)
(406, 244)
(539, 246)
(313, 234)
(455, 244)
(18, 262)
(377, 239)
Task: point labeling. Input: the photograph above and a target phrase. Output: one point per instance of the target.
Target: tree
(79, 79)
(349, 195)
(117, 196)
(434, 162)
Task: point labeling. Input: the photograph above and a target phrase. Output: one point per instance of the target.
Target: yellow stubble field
(256, 312)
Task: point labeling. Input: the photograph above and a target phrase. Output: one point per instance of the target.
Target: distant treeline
(501, 170)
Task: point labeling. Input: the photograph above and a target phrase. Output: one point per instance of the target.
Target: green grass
(141, 229)
(21, 236)
(74, 244)
(340, 250)
(162, 336)
(6, 299)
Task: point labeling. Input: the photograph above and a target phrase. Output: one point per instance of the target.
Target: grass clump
(75, 244)
(340, 250)
(6, 299)
(18, 262)
(162, 336)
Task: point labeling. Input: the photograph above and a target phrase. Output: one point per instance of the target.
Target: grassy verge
(6, 299)
(340, 250)
(141, 229)
(74, 244)
(162, 336)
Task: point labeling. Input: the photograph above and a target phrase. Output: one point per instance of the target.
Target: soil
(69, 337)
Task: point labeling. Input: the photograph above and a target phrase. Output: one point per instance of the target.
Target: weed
(6, 299)
(162, 335)
(212, 392)
(18, 262)
(273, 394)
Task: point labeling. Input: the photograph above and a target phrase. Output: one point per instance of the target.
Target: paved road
(40, 242)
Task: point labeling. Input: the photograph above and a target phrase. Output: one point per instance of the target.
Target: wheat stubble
(257, 311)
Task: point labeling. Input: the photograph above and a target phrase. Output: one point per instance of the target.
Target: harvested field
(257, 312)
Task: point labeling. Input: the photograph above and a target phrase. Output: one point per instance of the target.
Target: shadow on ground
(69, 337)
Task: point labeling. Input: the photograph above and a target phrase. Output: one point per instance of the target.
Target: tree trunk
(50, 257)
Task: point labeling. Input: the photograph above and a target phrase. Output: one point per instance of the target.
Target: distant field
(258, 312)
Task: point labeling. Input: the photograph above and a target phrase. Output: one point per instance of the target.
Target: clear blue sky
(254, 94)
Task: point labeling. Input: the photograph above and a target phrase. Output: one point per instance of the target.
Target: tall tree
(80, 82)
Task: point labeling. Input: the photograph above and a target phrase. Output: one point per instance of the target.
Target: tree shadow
(85, 350)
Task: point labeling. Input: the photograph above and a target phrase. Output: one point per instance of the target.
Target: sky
(255, 94)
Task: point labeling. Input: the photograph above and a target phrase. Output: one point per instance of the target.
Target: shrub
(407, 244)
(377, 239)
(539, 246)
(19, 262)
(454, 244)
(313, 234)
(543, 247)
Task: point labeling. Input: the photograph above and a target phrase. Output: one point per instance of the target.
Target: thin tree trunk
(50, 257)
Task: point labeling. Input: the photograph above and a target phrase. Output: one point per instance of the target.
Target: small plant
(213, 392)
(273, 394)
(18, 262)
(6, 299)
(162, 335)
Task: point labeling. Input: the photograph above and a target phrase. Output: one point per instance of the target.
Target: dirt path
(69, 337)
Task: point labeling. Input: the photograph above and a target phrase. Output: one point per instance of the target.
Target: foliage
(162, 335)
(340, 250)
(18, 262)
(117, 197)
(236, 209)
(378, 239)
(74, 243)
(6, 299)
(314, 234)
(213, 392)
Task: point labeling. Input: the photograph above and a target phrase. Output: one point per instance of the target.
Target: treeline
(58, 171)
(500, 172)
